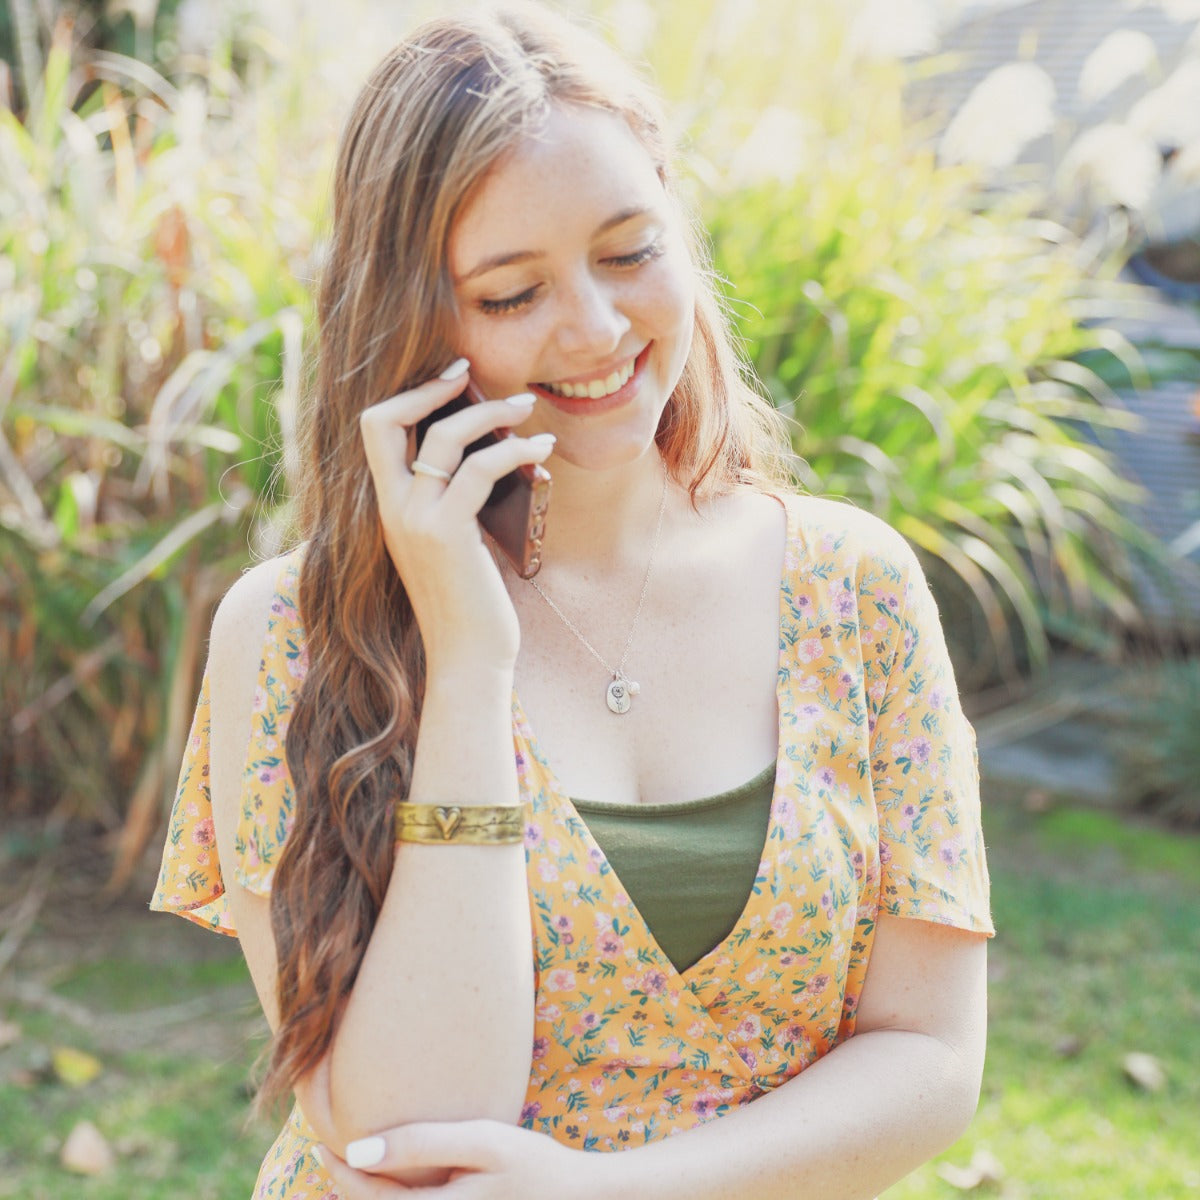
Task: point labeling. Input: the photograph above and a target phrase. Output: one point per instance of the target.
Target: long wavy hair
(433, 118)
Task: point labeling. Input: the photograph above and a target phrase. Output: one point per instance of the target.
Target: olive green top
(689, 867)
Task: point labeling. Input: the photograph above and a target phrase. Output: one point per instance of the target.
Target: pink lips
(587, 407)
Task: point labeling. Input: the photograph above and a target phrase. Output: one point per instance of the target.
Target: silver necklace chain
(621, 688)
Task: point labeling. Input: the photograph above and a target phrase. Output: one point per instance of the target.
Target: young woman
(682, 836)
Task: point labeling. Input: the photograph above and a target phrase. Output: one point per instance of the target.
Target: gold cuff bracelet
(483, 825)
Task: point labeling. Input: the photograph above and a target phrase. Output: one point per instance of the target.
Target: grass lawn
(1098, 956)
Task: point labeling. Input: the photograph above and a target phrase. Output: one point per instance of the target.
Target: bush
(925, 335)
(1158, 750)
(156, 247)
(151, 257)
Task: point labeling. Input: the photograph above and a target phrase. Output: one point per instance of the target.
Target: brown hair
(433, 118)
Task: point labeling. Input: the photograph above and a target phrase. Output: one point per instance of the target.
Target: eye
(644, 255)
(508, 303)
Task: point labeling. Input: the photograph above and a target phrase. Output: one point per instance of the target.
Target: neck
(603, 520)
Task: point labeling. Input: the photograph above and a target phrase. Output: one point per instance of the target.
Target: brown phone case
(514, 515)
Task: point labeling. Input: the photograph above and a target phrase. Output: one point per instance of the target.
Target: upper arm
(235, 653)
(235, 656)
(928, 979)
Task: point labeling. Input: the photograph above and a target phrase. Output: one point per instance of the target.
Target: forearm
(848, 1127)
(439, 1025)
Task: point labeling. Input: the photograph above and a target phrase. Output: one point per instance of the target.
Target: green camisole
(688, 867)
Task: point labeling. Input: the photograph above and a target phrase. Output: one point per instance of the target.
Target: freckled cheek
(670, 314)
(500, 353)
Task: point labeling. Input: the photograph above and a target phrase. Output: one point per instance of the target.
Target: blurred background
(961, 242)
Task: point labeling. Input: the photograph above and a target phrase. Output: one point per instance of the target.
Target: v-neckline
(568, 815)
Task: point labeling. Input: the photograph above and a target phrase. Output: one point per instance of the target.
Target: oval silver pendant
(618, 696)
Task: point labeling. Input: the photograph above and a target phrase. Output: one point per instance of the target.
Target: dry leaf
(10, 1032)
(983, 1171)
(1038, 801)
(75, 1067)
(1144, 1071)
(1070, 1046)
(86, 1152)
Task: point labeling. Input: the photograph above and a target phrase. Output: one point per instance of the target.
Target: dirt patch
(107, 965)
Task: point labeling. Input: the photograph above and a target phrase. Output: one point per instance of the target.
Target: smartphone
(515, 512)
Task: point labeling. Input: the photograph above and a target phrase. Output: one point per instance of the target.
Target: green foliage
(157, 238)
(925, 336)
(1158, 746)
(151, 252)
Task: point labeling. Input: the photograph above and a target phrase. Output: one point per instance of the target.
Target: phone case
(514, 515)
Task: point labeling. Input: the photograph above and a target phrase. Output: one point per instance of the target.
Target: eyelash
(622, 262)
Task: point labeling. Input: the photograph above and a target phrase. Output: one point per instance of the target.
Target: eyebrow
(520, 256)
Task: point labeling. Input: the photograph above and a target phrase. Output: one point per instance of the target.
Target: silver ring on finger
(424, 468)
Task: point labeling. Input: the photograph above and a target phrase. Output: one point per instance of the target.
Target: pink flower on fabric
(561, 980)
(548, 871)
(608, 943)
(780, 917)
(654, 983)
(749, 1028)
(810, 649)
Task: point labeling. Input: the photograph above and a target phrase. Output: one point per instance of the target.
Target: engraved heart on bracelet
(448, 820)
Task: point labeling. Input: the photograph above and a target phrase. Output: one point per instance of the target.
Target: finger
(384, 426)
(451, 1145)
(473, 481)
(358, 1185)
(446, 439)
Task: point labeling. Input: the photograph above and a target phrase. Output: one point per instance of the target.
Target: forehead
(583, 166)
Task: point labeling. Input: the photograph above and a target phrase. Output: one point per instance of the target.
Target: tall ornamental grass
(926, 336)
(157, 246)
(155, 239)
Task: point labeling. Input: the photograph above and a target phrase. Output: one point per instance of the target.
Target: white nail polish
(455, 369)
(543, 439)
(522, 400)
(366, 1152)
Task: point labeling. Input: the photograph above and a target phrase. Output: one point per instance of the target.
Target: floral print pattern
(875, 809)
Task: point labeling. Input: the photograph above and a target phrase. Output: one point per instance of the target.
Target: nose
(591, 321)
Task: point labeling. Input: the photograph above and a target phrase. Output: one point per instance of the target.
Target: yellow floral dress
(875, 809)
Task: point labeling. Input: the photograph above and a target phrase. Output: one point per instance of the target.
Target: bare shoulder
(235, 653)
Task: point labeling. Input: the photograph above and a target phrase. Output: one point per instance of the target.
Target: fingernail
(455, 369)
(543, 439)
(522, 400)
(366, 1152)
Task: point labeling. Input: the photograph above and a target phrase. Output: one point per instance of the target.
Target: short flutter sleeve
(191, 880)
(924, 769)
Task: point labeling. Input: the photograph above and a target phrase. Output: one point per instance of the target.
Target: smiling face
(573, 282)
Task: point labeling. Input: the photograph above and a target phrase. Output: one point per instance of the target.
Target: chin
(606, 453)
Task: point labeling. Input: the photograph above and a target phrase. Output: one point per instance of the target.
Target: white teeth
(597, 388)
